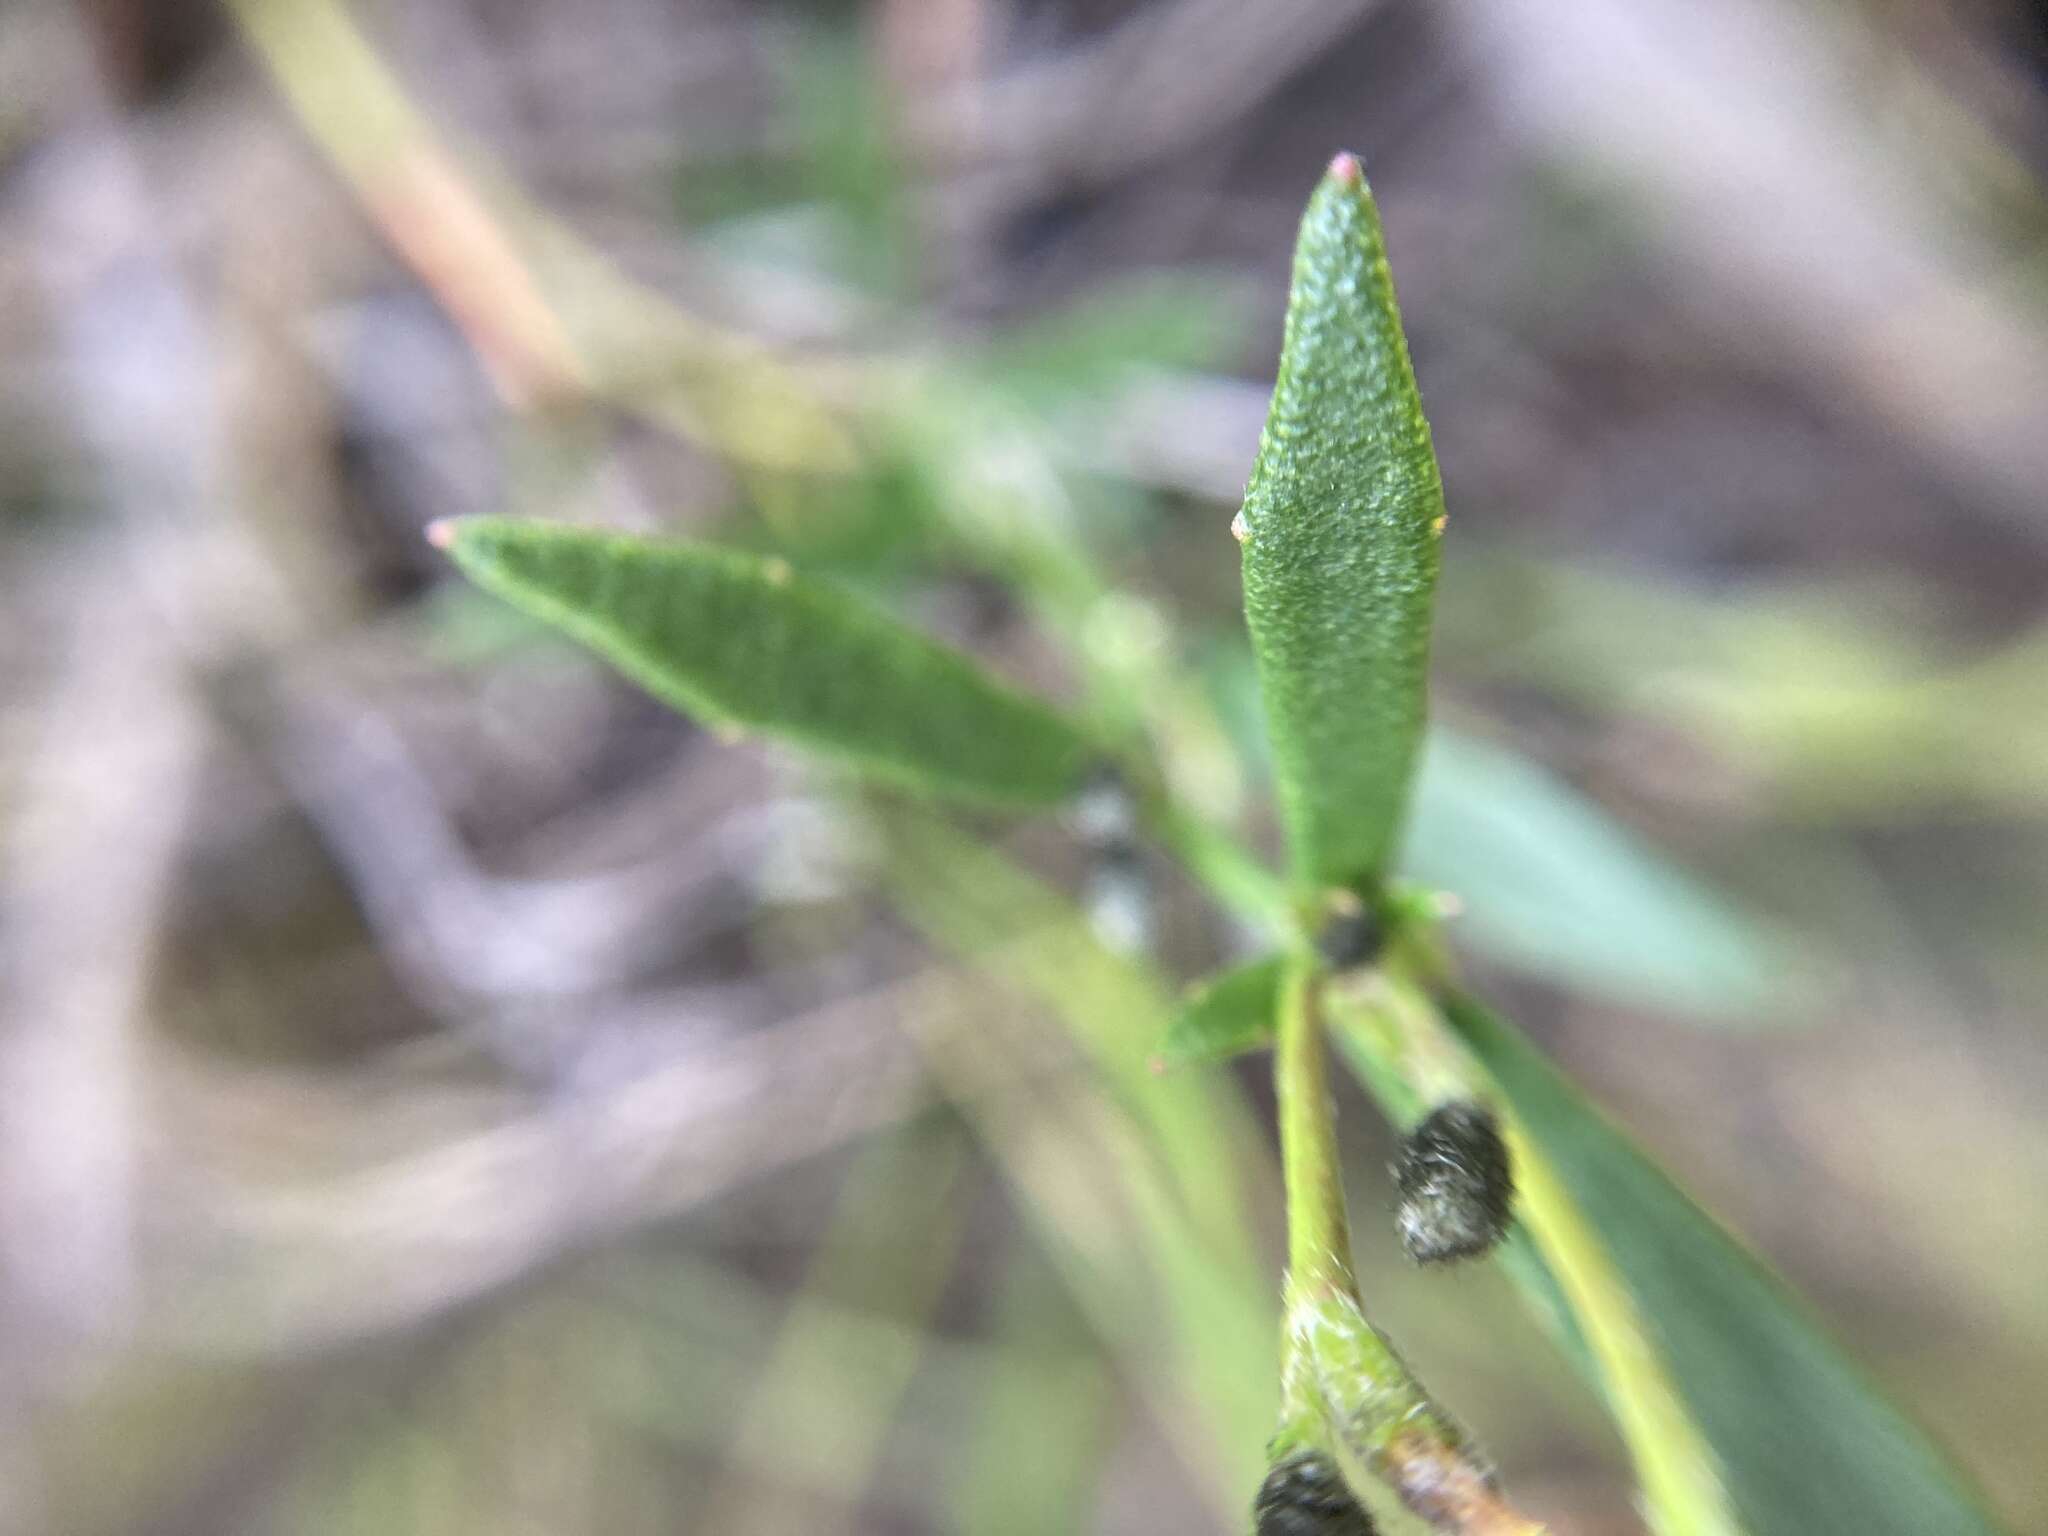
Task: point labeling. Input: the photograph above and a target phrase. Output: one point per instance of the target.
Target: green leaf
(1679, 1476)
(1551, 883)
(741, 641)
(1174, 1283)
(1341, 521)
(1156, 321)
(1806, 1446)
(1225, 1016)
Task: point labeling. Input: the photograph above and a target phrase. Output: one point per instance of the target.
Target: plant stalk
(1342, 1381)
(1318, 1231)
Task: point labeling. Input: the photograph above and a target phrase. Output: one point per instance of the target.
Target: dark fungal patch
(1457, 1188)
(1305, 1495)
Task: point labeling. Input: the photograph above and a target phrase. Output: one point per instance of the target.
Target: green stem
(1318, 1231)
(1342, 1383)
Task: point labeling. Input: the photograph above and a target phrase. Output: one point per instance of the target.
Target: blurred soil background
(440, 1091)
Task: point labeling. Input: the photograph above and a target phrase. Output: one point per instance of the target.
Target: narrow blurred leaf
(1169, 1274)
(1682, 1490)
(824, 203)
(1225, 1016)
(1038, 1436)
(1806, 1446)
(736, 640)
(1161, 321)
(817, 1410)
(1342, 517)
(1553, 884)
(842, 107)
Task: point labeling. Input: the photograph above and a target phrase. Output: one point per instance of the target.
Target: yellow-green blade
(1803, 1444)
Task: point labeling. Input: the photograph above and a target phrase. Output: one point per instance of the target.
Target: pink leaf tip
(1345, 171)
(441, 532)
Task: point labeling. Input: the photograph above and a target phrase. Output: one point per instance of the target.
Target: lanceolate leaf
(1225, 1016)
(1567, 1265)
(1340, 523)
(1550, 882)
(737, 640)
(1805, 1446)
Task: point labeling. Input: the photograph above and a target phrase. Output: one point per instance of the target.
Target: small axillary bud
(1352, 933)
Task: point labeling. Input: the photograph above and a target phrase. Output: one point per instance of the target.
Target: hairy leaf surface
(1341, 523)
(737, 640)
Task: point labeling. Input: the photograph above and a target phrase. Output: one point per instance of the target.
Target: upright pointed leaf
(1805, 1445)
(1340, 524)
(737, 640)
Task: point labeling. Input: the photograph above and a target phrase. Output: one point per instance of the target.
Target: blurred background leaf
(1552, 885)
(1802, 1441)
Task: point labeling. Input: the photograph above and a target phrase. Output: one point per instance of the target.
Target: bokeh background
(442, 1092)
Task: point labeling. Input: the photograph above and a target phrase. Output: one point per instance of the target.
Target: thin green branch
(1318, 1231)
(1343, 1383)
